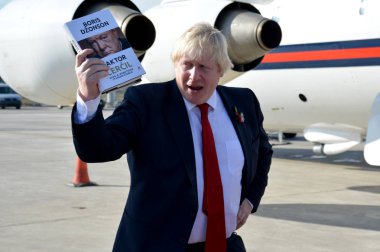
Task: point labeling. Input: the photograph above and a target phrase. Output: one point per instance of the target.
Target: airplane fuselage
(327, 68)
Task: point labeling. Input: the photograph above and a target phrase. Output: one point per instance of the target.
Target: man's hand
(89, 71)
(244, 211)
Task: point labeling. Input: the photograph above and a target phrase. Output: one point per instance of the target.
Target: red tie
(213, 204)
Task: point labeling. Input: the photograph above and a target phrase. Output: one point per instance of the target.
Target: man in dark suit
(161, 128)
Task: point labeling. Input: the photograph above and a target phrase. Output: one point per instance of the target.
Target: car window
(6, 90)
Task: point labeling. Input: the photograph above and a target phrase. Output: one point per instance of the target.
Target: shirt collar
(212, 102)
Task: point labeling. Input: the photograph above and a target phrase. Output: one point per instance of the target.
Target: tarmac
(312, 203)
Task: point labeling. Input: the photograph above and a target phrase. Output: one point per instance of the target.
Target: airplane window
(302, 97)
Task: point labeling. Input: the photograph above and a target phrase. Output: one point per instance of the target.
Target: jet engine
(249, 35)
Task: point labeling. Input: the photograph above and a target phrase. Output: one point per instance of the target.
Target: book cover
(100, 32)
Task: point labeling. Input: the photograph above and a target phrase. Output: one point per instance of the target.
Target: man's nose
(194, 72)
(101, 45)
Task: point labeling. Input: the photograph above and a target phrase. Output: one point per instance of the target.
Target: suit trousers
(234, 244)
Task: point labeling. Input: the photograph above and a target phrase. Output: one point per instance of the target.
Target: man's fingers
(243, 213)
(94, 74)
(89, 71)
(95, 69)
(90, 67)
(241, 221)
(82, 56)
(241, 218)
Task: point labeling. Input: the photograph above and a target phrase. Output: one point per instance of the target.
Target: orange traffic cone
(81, 177)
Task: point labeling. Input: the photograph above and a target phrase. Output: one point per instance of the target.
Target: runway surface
(312, 203)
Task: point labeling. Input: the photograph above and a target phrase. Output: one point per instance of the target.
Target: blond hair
(203, 40)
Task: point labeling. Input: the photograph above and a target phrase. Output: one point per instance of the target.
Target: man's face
(105, 43)
(197, 79)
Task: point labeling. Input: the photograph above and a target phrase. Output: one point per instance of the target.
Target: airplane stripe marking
(350, 44)
(357, 53)
(320, 55)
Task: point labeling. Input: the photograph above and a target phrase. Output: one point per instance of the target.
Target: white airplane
(322, 80)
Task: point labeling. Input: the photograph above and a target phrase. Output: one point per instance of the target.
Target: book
(100, 32)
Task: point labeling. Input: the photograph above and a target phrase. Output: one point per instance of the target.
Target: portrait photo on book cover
(105, 43)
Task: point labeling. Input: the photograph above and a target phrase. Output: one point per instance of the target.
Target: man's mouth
(194, 88)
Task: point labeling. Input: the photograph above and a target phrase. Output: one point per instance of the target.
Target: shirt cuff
(85, 110)
(249, 202)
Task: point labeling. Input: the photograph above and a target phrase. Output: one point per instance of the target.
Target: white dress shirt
(228, 149)
(85, 110)
(230, 159)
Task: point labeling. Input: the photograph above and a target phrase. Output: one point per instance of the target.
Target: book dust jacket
(100, 32)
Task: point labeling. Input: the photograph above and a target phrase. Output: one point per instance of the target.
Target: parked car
(8, 97)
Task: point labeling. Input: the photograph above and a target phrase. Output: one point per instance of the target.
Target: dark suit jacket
(152, 127)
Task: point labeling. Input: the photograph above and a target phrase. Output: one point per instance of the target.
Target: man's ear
(220, 72)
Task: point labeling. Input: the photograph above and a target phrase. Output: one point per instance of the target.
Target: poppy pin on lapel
(239, 116)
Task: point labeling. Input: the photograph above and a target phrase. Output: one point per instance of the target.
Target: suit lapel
(178, 122)
(230, 105)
